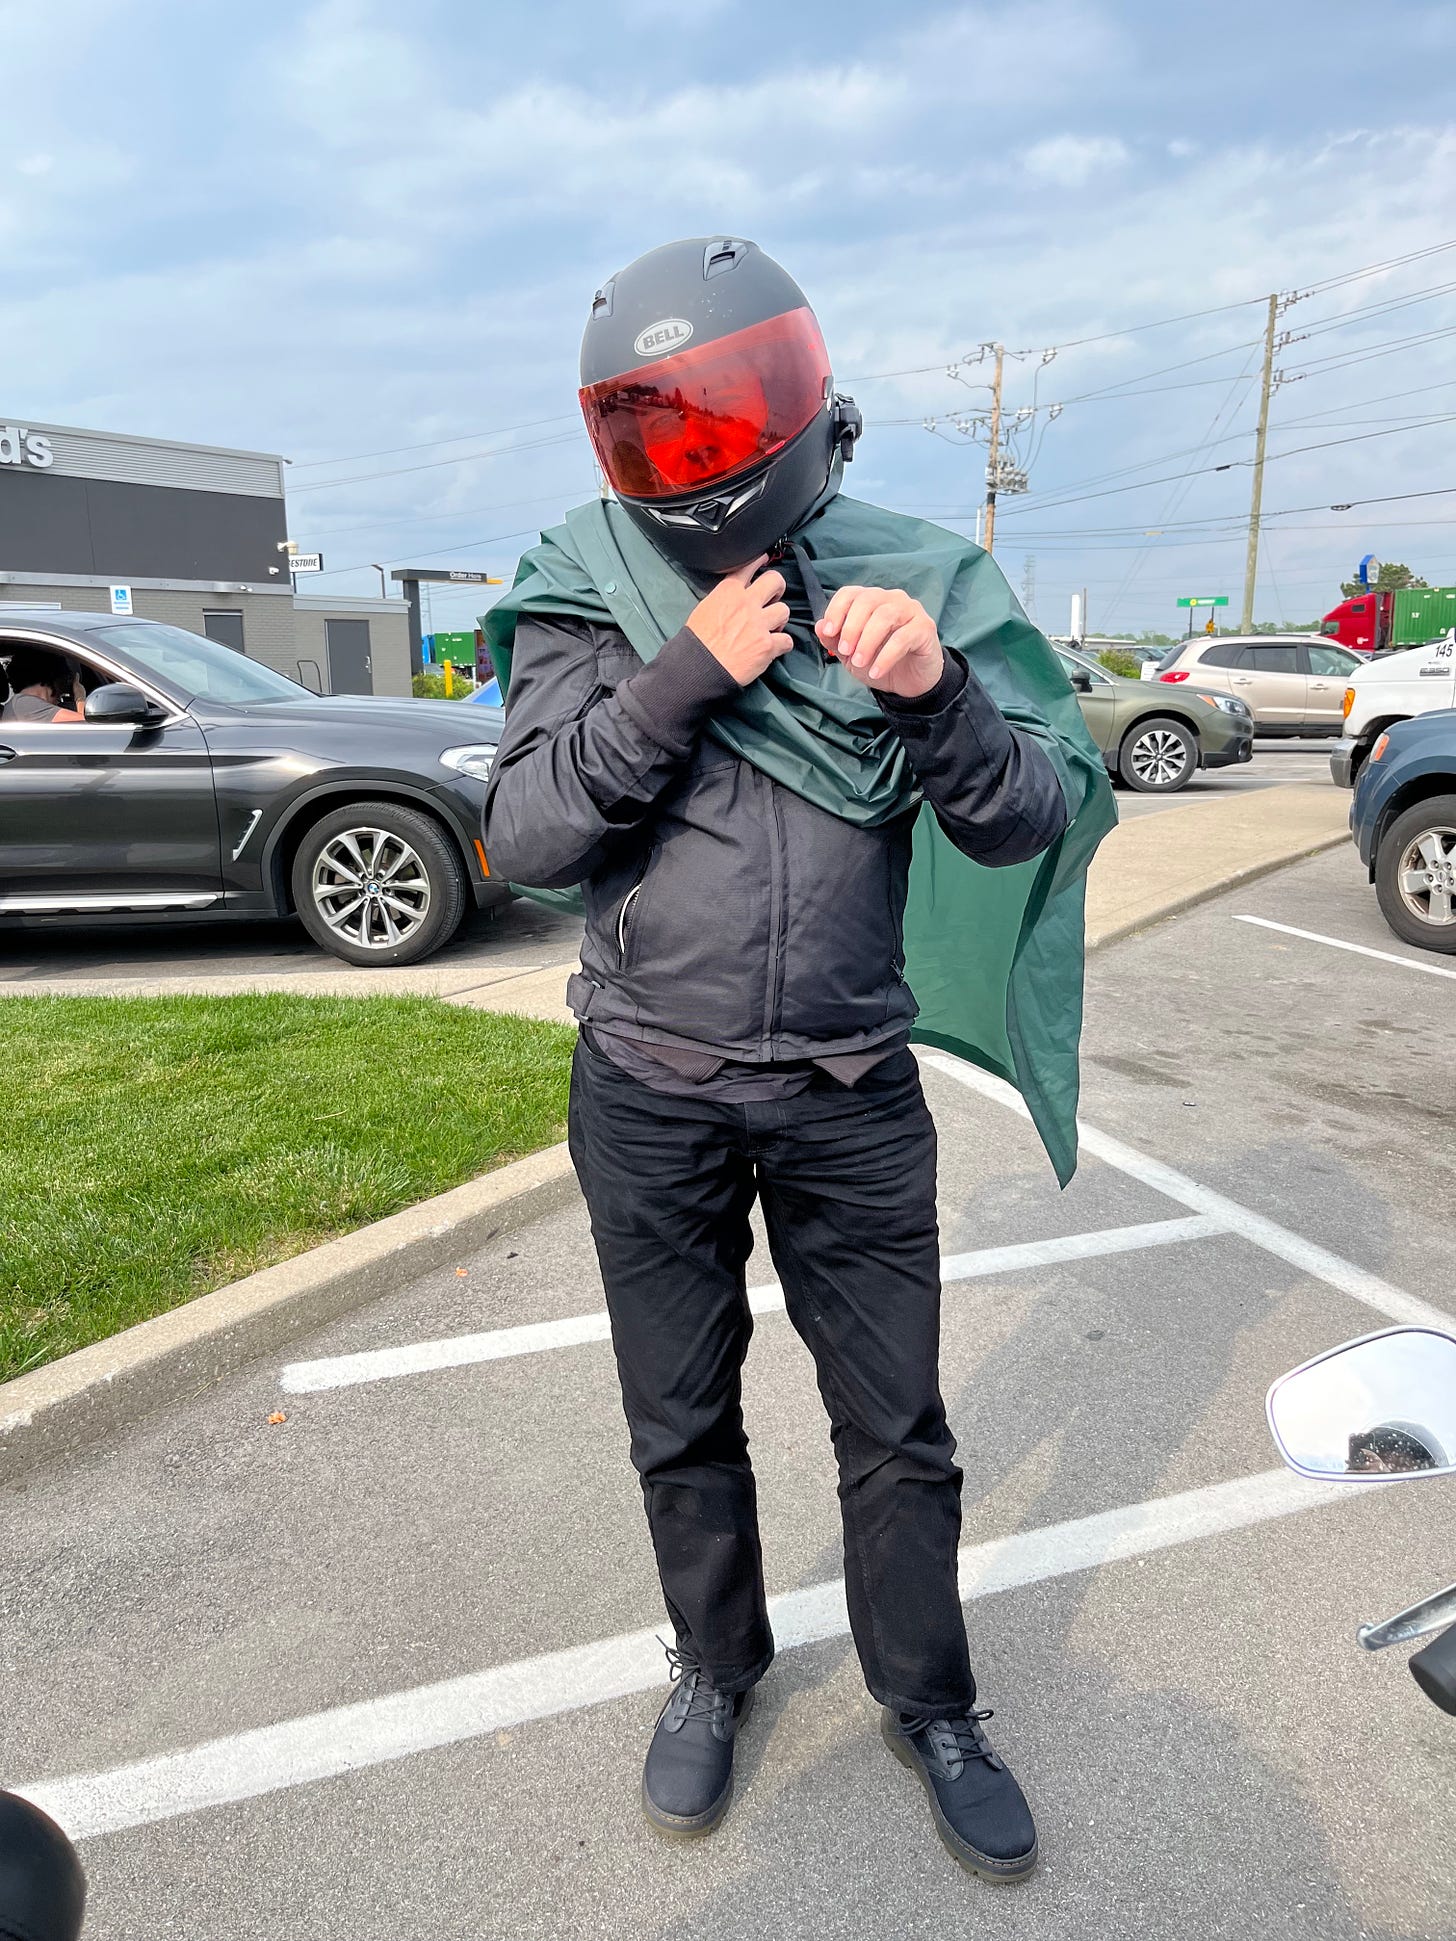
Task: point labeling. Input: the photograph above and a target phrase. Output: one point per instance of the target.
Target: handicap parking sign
(121, 599)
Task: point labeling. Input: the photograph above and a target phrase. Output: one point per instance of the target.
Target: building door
(225, 625)
(350, 668)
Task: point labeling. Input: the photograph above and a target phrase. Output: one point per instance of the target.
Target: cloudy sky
(365, 235)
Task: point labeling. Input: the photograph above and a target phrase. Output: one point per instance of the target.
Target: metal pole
(383, 589)
(993, 463)
(1251, 564)
(416, 639)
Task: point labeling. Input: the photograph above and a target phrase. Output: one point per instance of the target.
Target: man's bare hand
(740, 622)
(884, 638)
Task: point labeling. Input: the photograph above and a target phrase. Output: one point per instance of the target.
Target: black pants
(847, 1182)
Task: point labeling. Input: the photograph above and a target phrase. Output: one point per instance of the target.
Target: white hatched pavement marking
(321, 1745)
(1360, 950)
(500, 1344)
(1304, 1254)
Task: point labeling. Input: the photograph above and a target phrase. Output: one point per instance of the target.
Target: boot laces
(686, 1675)
(961, 1736)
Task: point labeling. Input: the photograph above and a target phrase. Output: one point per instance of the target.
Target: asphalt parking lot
(520, 934)
(386, 1669)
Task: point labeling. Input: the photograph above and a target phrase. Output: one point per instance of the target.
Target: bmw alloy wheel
(1159, 758)
(370, 888)
(1426, 876)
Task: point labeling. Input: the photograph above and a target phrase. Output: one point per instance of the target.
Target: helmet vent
(602, 301)
(725, 255)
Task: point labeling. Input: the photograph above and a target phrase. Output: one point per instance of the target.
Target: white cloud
(381, 235)
(1070, 161)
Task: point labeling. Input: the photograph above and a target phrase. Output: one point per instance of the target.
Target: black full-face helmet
(707, 394)
(42, 1887)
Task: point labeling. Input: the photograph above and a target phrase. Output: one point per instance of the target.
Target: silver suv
(1294, 684)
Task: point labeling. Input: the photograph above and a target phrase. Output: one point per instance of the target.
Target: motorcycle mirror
(1371, 1409)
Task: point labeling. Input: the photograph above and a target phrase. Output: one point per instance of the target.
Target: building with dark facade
(190, 534)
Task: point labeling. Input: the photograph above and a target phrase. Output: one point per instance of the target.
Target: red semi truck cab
(1385, 622)
(1362, 623)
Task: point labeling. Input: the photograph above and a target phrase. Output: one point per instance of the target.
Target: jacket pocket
(625, 928)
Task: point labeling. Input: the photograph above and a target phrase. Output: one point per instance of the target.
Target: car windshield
(198, 666)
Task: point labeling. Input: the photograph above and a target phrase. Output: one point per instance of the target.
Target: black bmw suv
(200, 783)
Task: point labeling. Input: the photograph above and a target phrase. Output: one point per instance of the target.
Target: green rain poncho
(994, 956)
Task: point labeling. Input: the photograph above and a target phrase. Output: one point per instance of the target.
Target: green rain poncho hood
(994, 956)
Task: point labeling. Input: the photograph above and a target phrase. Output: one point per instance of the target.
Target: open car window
(199, 667)
(70, 675)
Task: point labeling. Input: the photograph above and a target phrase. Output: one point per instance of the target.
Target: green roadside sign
(1204, 600)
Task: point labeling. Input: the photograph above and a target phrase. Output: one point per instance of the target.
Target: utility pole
(993, 463)
(1251, 564)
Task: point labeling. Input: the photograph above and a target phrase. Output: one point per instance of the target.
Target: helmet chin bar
(706, 515)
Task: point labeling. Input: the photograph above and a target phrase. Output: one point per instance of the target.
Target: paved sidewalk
(1154, 866)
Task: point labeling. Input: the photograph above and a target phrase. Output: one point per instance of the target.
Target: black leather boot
(980, 1812)
(687, 1784)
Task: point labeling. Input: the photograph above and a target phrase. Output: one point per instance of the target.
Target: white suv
(1390, 689)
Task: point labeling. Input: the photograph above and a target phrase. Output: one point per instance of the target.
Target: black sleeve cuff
(936, 699)
(672, 696)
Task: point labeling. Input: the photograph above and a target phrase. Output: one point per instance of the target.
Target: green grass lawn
(154, 1148)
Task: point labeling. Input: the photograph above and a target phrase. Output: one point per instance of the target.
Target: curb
(1178, 906)
(79, 1401)
(82, 1399)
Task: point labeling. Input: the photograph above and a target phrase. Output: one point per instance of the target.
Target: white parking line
(1310, 1258)
(1359, 950)
(322, 1745)
(501, 1344)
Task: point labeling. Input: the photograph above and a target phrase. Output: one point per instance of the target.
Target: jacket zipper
(627, 901)
(773, 985)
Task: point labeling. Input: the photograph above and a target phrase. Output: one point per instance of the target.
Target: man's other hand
(884, 638)
(740, 622)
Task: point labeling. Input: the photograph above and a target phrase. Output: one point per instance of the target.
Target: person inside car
(36, 681)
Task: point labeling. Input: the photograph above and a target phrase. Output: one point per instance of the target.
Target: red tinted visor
(711, 410)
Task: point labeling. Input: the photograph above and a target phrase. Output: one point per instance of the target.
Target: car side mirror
(117, 703)
(1384, 1405)
(1082, 681)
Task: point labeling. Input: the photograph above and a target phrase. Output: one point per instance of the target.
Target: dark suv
(200, 783)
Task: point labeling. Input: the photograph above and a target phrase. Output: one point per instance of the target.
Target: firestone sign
(20, 446)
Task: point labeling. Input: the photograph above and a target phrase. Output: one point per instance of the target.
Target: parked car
(1094, 645)
(1393, 688)
(1403, 820)
(1156, 739)
(200, 784)
(1294, 685)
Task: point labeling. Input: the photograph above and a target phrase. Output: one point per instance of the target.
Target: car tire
(1415, 874)
(1158, 756)
(411, 882)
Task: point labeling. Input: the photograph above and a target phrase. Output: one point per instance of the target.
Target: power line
(1186, 316)
(464, 458)
(455, 438)
(1232, 464)
(382, 524)
(464, 545)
